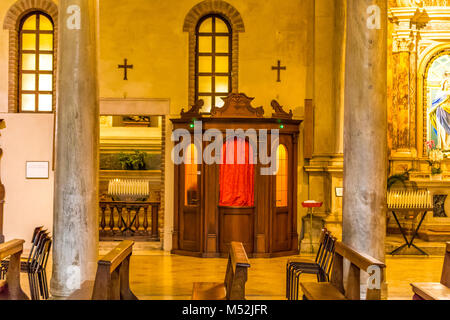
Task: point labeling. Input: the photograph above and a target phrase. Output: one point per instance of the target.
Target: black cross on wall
(125, 66)
(278, 68)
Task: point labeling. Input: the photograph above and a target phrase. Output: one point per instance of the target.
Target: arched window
(213, 61)
(190, 176)
(36, 61)
(282, 177)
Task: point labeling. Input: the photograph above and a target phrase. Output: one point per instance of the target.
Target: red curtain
(237, 180)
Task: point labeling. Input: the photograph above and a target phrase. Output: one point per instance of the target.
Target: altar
(220, 201)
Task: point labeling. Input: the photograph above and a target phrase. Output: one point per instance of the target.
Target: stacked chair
(35, 265)
(321, 266)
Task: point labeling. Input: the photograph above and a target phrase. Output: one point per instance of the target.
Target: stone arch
(233, 17)
(426, 59)
(11, 22)
(217, 7)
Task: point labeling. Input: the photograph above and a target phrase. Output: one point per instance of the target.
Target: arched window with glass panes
(36, 56)
(213, 61)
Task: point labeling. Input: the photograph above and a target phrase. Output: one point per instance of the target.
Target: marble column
(75, 230)
(365, 130)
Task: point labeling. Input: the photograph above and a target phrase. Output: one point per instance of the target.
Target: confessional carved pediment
(237, 105)
(194, 111)
(279, 111)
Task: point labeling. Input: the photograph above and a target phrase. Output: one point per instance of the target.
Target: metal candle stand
(413, 203)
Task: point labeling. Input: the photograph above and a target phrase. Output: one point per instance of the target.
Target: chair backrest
(321, 244)
(112, 278)
(34, 241)
(325, 252)
(236, 275)
(33, 260)
(445, 279)
(330, 249)
(358, 262)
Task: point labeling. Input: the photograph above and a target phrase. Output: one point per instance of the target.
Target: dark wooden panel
(189, 239)
(236, 224)
(281, 234)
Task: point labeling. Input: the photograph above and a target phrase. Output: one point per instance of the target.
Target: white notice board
(37, 170)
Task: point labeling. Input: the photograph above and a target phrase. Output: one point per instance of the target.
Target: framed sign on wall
(339, 192)
(37, 170)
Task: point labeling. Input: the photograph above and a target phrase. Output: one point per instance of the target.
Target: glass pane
(28, 82)
(191, 176)
(205, 64)
(30, 23)
(221, 26)
(207, 105)
(28, 102)
(205, 44)
(28, 41)
(219, 102)
(45, 102)
(222, 84)
(222, 64)
(222, 44)
(206, 26)
(204, 84)
(45, 82)
(46, 42)
(45, 24)
(28, 61)
(46, 62)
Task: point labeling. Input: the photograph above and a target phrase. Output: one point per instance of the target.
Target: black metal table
(410, 243)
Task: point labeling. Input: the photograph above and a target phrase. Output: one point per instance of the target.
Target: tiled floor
(157, 275)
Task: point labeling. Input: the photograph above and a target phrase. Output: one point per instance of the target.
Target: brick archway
(11, 22)
(234, 18)
(213, 6)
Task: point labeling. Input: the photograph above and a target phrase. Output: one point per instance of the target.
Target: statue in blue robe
(439, 114)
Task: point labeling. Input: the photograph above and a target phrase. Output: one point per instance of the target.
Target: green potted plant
(132, 161)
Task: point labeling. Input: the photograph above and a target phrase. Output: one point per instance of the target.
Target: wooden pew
(10, 289)
(334, 290)
(233, 288)
(436, 291)
(112, 278)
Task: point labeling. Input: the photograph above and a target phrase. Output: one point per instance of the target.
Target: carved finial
(194, 111)
(279, 111)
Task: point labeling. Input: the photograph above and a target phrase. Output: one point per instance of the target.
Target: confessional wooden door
(189, 203)
(282, 183)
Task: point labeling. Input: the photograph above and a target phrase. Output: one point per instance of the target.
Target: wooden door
(190, 207)
(282, 217)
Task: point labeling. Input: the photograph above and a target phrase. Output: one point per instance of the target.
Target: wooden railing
(129, 220)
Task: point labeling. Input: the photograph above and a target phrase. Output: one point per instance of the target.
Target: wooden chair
(435, 291)
(112, 280)
(10, 289)
(334, 290)
(233, 288)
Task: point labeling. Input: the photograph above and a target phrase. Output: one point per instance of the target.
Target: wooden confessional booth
(219, 203)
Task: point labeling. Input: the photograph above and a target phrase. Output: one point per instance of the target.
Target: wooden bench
(10, 289)
(233, 288)
(334, 290)
(435, 291)
(112, 278)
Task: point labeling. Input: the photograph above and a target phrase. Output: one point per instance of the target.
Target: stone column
(365, 130)
(75, 229)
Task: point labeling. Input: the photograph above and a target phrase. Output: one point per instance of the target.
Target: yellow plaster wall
(150, 35)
